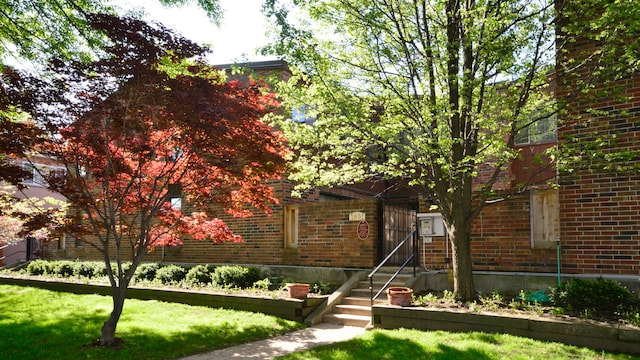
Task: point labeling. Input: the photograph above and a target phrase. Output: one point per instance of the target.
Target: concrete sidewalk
(300, 340)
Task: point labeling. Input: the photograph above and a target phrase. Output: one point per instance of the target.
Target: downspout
(558, 259)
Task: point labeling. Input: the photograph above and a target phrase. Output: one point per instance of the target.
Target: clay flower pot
(298, 291)
(399, 295)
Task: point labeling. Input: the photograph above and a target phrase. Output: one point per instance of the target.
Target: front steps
(355, 309)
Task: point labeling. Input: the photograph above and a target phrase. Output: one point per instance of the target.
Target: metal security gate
(396, 223)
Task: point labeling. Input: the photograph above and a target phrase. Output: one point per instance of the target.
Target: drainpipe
(558, 259)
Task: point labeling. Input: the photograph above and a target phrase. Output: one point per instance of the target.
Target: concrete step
(348, 320)
(353, 310)
(379, 284)
(360, 301)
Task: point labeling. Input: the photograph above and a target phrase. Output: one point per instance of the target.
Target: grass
(441, 345)
(42, 324)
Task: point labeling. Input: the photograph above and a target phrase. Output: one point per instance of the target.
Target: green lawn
(441, 345)
(42, 324)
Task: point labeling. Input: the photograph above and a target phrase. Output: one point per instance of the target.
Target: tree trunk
(463, 286)
(108, 332)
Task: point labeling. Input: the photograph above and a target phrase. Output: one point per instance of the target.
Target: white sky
(241, 31)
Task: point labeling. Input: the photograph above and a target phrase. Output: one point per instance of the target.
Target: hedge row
(200, 275)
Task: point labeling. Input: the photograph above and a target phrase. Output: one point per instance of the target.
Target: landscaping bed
(598, 314)
(230, 287)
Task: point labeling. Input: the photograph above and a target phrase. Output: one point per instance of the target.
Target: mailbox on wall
(430, 225)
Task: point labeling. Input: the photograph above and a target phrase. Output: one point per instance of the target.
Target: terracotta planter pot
(298, 291)
(401, 296)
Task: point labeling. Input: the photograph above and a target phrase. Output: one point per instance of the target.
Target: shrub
(40, 267)
(591, 296)
(84, 269)
(63, 268)
(146, 272)
(198, 275)
(171, 274)
(235, 276)
(99, 269)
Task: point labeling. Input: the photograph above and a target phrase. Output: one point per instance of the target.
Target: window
(174, 194)
(39, 174)
(543, 130)
(545, 218)
(291, 226)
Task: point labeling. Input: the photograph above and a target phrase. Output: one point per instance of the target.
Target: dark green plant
(235, 276)
(146, 272)
(198, 275)
(40, 267)
(84, 269)
(592, 297)
(99, 268)
(171, 274)
(63, 268)
(322, 289)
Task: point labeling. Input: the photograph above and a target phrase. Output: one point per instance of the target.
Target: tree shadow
(383, 346)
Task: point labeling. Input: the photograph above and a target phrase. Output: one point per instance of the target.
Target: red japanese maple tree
(144, 125)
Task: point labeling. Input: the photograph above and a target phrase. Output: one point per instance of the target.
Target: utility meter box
(430, 225)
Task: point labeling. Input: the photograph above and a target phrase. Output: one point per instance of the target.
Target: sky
(241, 31)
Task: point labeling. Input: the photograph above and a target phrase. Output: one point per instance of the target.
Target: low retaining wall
(615, 338)
(511, 283)
(291, 309)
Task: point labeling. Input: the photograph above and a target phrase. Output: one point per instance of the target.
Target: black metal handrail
(393, 252)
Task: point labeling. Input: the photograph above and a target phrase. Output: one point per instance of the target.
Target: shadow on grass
(382, 346)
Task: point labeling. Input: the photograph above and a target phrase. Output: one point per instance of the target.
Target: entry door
(398, 222)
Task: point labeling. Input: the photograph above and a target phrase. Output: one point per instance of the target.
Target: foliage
(40, 267)
(594, 297)
(84, 269)
(235, 276)
(63, 268)
(171, 274)
(150, 329)
(322, 289)
(28, 217)
(430, 92)
(146, 272)
(198, 275)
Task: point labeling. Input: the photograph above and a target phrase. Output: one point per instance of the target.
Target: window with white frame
(39, 173)
(542, 130)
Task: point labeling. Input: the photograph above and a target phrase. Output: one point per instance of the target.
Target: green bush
(171, 274)
(235, 276)
(84, 269)
(63, 268)
(595, 297)
(146, 272)
(99, 269)
(40, 267)
(198, 275)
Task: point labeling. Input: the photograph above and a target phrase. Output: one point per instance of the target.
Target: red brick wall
(326, 237)
(501, 241)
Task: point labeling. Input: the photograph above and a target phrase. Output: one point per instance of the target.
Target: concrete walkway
(300, 340)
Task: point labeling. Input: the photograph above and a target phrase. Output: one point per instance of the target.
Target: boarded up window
(545, 218)
(291, 226)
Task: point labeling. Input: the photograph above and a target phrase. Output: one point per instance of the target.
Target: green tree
(429, 91)
(40, 29)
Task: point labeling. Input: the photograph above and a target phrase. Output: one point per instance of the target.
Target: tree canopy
(435, 92)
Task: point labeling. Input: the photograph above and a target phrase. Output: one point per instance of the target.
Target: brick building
(593, 216)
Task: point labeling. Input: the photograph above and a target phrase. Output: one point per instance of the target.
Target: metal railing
(414, 248)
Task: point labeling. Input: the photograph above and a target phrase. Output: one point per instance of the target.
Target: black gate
(396, 223)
